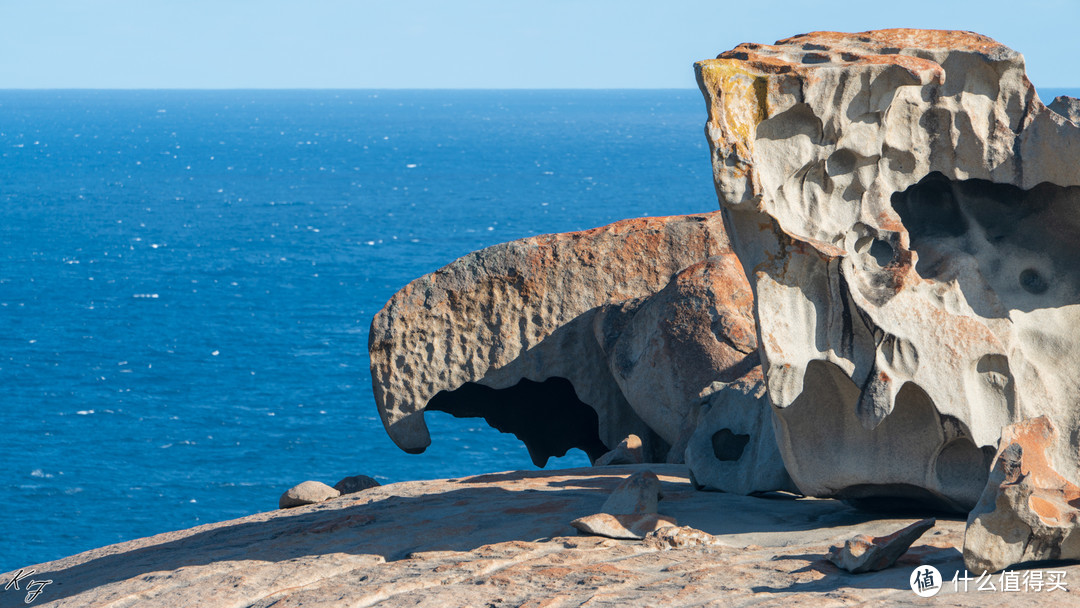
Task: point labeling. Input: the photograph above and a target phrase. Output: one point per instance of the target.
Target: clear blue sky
(465, 43)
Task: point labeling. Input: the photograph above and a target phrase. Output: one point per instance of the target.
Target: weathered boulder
(1069, 107)
(865, 553)
(355, 483)
(666, 351)
(506, 333)
(906, 210)
(1028, 511)
(640, 493)
(306, 493)
(732, 446)
(622, 335)
(686, 359)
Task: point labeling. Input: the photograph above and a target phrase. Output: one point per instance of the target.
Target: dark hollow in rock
(1021, 240)
(546, 416)
(728, 446)
(1033, 282)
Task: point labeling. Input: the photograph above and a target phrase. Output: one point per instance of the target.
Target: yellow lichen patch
(738, 99)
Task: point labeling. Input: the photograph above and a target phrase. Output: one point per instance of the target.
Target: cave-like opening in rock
(1021, 242)
(546, 416)
(729, 446)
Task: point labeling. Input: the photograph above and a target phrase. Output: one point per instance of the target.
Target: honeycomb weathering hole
(546, 416)
(1033, 282)
(727, 445)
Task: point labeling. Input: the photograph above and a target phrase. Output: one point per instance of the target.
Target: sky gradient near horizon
(465, 44)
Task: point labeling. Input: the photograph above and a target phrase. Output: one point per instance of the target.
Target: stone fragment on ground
(640, 493)
(629, 526)
(677, 537)
(355, 483)
(864, 553)
(306, 493)
(627, 452)
(1028, 511)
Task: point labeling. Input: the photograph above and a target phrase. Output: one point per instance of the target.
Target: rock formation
(906, 209)
(641, 329)
(1028, 511)
(524, 311)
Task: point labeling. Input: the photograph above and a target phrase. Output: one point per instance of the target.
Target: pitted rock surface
(906, 209)
(524, 310)
(639, 334)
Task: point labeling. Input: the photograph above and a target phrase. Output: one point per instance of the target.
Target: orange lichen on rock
(1029, 511)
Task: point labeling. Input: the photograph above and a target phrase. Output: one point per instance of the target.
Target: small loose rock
(677, 537)
(355, 483)
(307, 493)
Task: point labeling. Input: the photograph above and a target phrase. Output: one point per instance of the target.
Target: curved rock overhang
(525, 311)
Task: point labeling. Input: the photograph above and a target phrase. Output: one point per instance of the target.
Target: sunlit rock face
(640, 332)
(521, 313)
(907, 212)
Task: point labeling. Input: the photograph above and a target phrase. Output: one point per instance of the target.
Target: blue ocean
(188, 278)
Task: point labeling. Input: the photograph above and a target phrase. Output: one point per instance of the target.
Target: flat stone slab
(505, 539)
